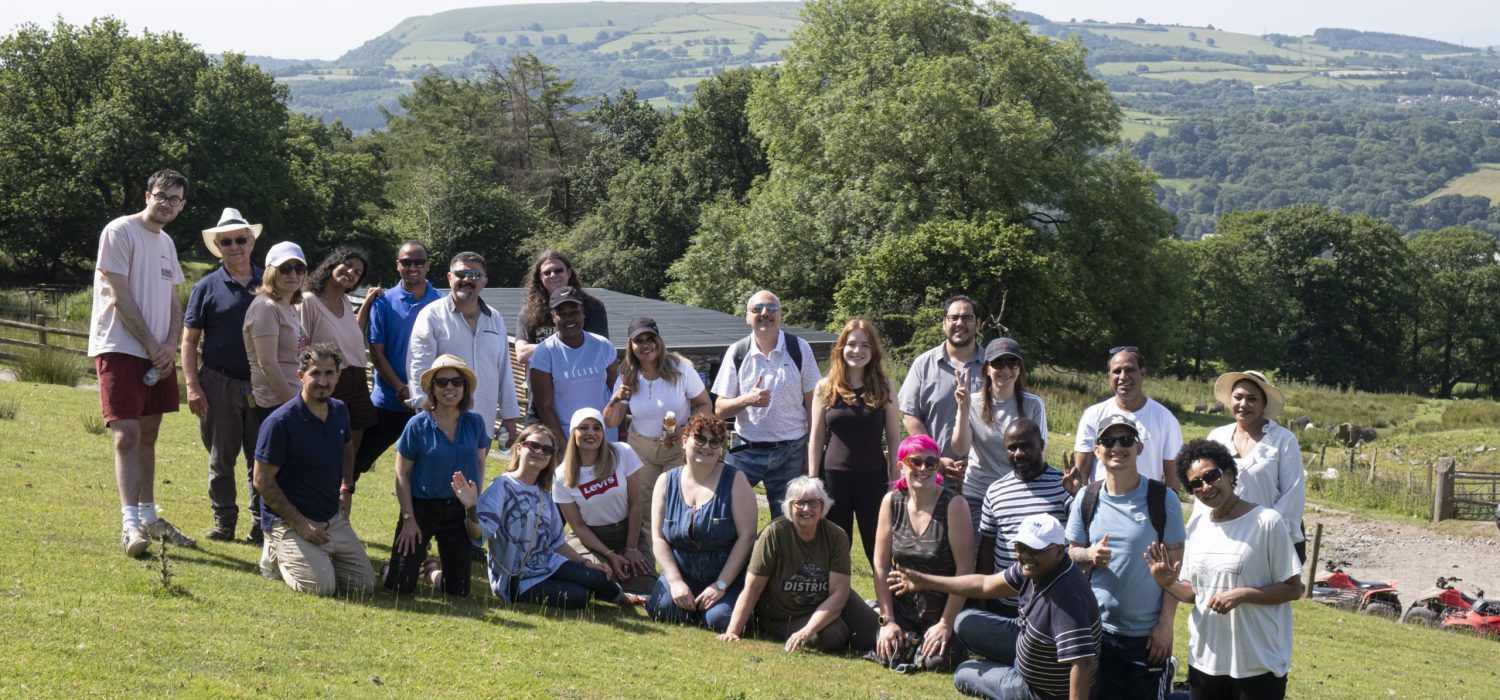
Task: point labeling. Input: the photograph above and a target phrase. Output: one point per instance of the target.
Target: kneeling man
(304, 484)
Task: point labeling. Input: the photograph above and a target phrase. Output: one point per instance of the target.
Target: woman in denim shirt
(703, 518)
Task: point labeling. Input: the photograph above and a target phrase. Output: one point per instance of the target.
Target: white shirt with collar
(786, 417)
(441, 329)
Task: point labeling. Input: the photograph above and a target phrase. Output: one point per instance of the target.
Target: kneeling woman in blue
(529, 559)
(702, 527)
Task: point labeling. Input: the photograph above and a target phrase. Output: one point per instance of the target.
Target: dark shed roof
(687, 329)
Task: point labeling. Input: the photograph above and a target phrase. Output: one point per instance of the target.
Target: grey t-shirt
(927, 393)
(988, 460)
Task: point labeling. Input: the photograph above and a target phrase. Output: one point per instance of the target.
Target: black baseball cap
(643, 324)
(565, 295)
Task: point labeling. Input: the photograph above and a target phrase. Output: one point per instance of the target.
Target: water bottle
(153, 376)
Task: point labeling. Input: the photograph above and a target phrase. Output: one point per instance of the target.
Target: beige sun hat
(230, 220)
(447, 362)
(1224, 386)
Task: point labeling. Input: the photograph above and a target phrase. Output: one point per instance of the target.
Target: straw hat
(447, 362)
(1224, 386)
(230, 220)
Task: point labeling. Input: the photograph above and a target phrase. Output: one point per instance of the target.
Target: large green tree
(1454, 324)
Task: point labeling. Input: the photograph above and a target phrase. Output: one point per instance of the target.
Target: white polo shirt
(786, 417)
(440, 329)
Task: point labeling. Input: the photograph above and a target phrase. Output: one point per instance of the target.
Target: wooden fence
(45, 339)
(1463, 495)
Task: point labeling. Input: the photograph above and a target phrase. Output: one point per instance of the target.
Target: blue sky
(322, 29)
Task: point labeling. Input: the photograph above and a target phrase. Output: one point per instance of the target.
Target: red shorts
(123, 394)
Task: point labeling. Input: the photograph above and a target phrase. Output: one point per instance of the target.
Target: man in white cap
(1051, 650)
(134, 330)
(218, 377)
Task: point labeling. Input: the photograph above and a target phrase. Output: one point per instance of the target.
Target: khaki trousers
(337, 566)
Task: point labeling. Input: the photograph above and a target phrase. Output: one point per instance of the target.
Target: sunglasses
(1023, 549)
(445, 382)
(1006, 363)
(290, 268)
(702, 439)
(1122, 441)
(1123, 348)
(765, 308)
(226, 242)
(467, 274)
(412, 262)
(922, 463)
(1211, 476)
(535, 446)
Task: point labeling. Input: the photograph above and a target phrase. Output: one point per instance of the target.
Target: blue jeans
(1125, 672)
(994, 638)
(570, 586)
(663, 609)
(776, 466)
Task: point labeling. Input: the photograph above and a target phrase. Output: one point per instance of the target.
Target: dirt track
(1414, 553)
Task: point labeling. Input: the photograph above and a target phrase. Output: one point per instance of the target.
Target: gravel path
(1414, 554)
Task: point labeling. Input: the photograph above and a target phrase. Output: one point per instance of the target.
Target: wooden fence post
(41, 333)
(1310, 567)
(1442, 489)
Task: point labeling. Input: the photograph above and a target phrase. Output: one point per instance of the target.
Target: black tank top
(928, 553)
(854, 436)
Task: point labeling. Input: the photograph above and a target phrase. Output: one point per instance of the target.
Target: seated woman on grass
(600, 497)
(529, 559)
(798, 580)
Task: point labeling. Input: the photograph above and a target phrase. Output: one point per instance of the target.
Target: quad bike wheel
(1383, 609)
(1420, 616)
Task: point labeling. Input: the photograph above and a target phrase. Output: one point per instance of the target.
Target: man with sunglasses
(926, 396)
(1110, 544)
(393, 314)
(218, 373)
(134, 331)
(769, 394)
(462, 324)
(1160, 433)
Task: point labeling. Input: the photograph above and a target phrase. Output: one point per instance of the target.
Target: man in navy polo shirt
(393, 312)
(301, 475)
(1050, 651)
(218, 375)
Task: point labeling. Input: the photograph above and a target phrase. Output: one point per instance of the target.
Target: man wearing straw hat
(218, 373)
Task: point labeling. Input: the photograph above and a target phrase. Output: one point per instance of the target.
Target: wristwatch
(721, 586)
(883, 620)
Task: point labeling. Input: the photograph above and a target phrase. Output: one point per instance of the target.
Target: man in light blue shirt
(1136, 657)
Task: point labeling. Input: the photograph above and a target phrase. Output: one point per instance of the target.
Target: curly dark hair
(318, 278)
(537, 313)
(1203, 448)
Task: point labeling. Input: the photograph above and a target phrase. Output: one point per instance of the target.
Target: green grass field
(1485, 181)
(92, 622)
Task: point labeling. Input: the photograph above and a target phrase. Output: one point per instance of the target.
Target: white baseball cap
(284, 251)
(1040, 531)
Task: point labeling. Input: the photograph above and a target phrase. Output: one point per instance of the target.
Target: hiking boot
(220, 533)
(161, 529)
(134, 541)
(256, 537)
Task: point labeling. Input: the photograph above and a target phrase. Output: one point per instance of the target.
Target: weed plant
(92, 423)
(51, 367)
(8, 409)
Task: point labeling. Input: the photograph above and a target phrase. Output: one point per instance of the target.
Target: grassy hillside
(1484, 181)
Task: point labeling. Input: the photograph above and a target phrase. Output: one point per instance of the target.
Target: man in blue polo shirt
(393, 312)
(1050, 650)
(302, 478)
(1135, 660)
(218, 376)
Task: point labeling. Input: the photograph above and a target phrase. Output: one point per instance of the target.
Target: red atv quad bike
(1452, 609)
(1338, 589)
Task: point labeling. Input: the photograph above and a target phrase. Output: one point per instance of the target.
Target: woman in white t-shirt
(653, 383)
(1240, 574)
(599, 495)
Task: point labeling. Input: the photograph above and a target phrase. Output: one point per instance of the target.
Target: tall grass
(1471, 414)
(51, 367)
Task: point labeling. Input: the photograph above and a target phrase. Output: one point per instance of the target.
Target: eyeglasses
(535, 446)
(922, 463)
(445, 382)
(412, 262)
(467, 274)
(765, 308)
(1123, 348)
(1122, 441)
(172, 201)
(292, 268)
(808, 503)
(702, 439)
(1212, 476)
(226, 242)
(959, 318)
(1006, 363)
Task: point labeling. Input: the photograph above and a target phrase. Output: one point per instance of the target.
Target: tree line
(903, 152)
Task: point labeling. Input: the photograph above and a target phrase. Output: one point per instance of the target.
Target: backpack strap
(1090, 505)
(741, 348)
(1156, 506)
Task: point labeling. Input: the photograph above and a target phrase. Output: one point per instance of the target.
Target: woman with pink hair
(923, 527)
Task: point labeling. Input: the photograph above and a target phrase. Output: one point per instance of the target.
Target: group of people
(625, 483)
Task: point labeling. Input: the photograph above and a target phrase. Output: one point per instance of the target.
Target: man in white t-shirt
(134, 330)
(1161, 435)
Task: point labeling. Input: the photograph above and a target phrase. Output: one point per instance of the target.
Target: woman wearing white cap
(1268, 455)
(273, 337)
(599, 495)
(443, 439)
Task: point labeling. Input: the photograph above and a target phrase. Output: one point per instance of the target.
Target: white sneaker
(268, 567)
(134, 541)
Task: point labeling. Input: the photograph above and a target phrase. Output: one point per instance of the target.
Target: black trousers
(856, 495)
(378, 438)
(1266, 686)
(441, 519)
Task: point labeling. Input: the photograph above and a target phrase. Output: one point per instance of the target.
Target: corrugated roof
(687, 329)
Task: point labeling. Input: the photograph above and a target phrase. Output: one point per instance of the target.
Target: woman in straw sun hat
(1267, 455)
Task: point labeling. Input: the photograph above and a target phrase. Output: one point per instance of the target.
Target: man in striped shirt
(1032, 488)
(1057, 634)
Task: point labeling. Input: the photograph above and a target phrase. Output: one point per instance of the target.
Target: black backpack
(741, 348)
(1156, 507)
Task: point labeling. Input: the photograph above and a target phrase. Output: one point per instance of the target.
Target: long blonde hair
(603, 467)
(877, 386)
(543, 480)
